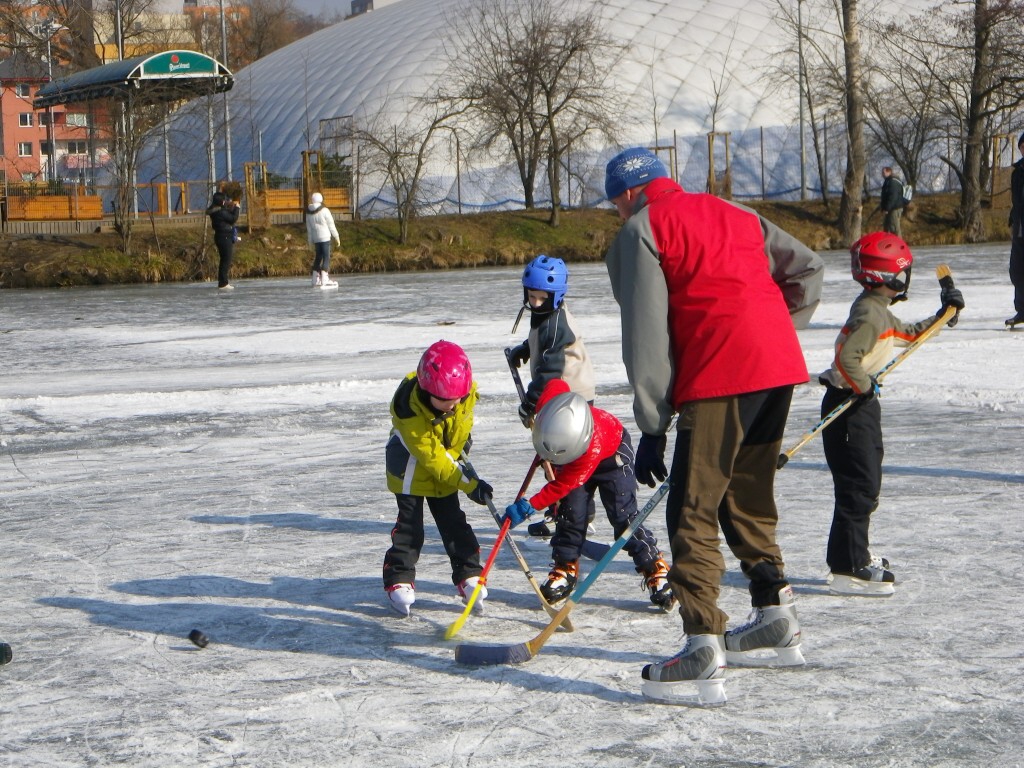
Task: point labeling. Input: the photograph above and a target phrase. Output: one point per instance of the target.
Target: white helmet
(563, 429)
(316, 198)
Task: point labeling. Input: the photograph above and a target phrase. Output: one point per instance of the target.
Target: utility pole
(49, 29)
(802, 78)
(227, 116)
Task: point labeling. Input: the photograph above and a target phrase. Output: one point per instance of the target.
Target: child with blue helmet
(554, 347)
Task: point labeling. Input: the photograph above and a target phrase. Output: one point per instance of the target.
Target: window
(77, 119)
(25, 119)
(44, 118)
(24, 149)
(44, 147)
(78, 148)
(22, 90)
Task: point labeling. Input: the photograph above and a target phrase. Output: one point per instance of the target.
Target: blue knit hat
(631, 168)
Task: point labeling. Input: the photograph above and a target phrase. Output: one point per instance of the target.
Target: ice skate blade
(686, 693)
(766, 657)
(536, 543)
(848, 586)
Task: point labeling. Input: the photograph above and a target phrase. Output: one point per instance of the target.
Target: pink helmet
(444, 371)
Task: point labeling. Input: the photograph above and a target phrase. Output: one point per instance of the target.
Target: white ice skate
(315, 279)
(871, 581)
(465, 589)
(401, 597)
(694, 677)
(326, 283)
(769, 638)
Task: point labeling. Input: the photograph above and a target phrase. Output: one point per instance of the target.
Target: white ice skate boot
(769, 638)
(695, 676)
(315, 279)
(401, 597)
(873, 580)
(466, 588)
(326, 282)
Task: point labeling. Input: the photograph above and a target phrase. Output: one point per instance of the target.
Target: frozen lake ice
(177, 458)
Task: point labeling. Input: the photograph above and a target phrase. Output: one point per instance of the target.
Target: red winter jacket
(605, 442)
(706, 290)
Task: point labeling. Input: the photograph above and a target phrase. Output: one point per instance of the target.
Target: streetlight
(49, 29)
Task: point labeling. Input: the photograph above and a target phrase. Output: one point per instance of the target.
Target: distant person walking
(891, 202)
(320, 230)
(1017, 236)
(223, 213)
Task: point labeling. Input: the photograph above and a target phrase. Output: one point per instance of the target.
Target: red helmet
(880, 258)
(444, 371)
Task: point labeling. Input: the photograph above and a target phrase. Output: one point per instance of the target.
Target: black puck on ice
(6, 654)
(198, 638)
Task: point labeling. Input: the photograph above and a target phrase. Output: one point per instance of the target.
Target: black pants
(853, 450)
(1017, 273)
(615, 481)
(407, 539)
(226, 249)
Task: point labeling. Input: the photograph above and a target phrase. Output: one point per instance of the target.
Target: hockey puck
(198, 638)
(6, 654)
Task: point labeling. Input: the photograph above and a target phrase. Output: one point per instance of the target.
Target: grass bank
(187, 254)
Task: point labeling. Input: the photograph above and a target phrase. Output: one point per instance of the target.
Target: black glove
(650, 460)
(520, 354)
(875, 390)
(482, 493)
(951, 297)
(526, 414)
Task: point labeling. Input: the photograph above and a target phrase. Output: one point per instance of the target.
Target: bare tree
(399, 150)
(535, 75)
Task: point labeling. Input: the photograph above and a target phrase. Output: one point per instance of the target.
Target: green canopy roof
(167, 76)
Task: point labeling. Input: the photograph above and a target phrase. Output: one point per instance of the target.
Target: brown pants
(723, 473)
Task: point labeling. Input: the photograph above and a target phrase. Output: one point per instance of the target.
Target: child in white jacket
(320, 230)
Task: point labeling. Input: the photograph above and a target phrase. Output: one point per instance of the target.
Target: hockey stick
(949, 316)
(549, 473)
(551, 610)
(456, 625)
(480, 655)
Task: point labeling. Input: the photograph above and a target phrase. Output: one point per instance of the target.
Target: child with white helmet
(431, 417)
(591, 453)
(320, 230)
(881, 263)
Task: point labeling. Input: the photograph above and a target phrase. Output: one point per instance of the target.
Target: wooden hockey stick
(548, 607)
(949, 316)
(517, 654)
(549, 473)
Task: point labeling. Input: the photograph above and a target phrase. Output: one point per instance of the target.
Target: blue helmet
(545, 273)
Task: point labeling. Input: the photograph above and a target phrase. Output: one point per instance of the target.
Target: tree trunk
(851, 204)
(970, 195)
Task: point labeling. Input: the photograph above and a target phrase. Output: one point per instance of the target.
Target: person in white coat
(320, 230)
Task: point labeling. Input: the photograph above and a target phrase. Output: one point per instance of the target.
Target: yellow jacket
(422, 453)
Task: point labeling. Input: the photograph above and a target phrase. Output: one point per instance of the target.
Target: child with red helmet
(431, 417)
(881, 262)
(590, 452)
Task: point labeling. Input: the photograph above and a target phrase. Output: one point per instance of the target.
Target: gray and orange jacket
(710, 295)
(867, 340)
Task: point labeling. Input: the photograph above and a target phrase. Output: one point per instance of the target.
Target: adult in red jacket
(590, 452)
(709, 293)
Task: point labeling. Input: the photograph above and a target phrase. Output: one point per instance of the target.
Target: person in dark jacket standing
(709, 294)
(891, 202)
(1017, 237)
(223, 213)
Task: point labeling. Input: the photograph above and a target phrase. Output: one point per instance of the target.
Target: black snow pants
(407, 539)
(853, 450)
